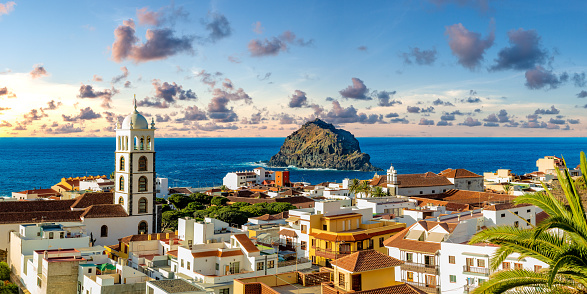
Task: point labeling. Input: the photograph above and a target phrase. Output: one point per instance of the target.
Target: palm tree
(559, 241)
(354, 186)
(365, 188)
(507, 188)
(378, 192)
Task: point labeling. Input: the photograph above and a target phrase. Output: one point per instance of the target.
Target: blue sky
(263, 68)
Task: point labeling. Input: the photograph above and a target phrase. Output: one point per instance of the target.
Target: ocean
(27, 163)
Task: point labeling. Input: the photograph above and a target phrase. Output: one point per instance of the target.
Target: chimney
(158, 236)
(167, 236)
(46, 254)
(170, 242)
(149, 237)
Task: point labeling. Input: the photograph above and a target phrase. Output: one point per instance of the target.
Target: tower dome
(138, 120)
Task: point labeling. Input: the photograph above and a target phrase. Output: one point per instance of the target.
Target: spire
(135, 102)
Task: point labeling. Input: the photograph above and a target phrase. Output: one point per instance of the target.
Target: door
(357, 282)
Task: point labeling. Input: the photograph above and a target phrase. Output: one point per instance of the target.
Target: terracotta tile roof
(217, 253)
(541, 216)
(40, 216)
(172, 252)
(296, 200)
(288, 233)
(366, 260)
(180, 190)
(458, 173)
(104, 210)
(428, 179)
(34, 206)
(397, 289)
(145, 237)
(398, 240)
(341, 237)
(468, 197)
(246, 243)
(290, 192)
(40, 191)
(450, 206)
(269, 217)
(88, 199)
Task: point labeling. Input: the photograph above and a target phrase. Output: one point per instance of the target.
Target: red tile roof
(366, 260)
(458, 173)
(398, 240)
(428, 179)
(88, 199)
(246, 243)
(104, 210)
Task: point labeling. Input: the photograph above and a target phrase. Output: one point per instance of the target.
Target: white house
(387, 205)
(464, 179)
(97, 185)
(161, 187)
(234, 180)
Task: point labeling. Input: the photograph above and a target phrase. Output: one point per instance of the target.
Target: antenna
(135, 102)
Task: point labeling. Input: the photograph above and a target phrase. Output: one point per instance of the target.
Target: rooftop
(366, 260)
(175, 286)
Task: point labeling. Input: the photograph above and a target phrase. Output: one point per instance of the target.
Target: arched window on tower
(121, 183)
(121, 162)
(143, 163)
(136, 147)
(143, 184)
(104, 231)
(143, 205)
(149, 147)
(121, 200)
(143, 227)
(142, 143)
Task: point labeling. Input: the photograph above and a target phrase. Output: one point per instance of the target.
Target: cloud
(443, 123)
(127, 84)
(234, 59)
(420, 57)
(87, 91)
(470, 122)
(162, 118)
(392, 114)
(7, 8)
(357, 90)
(172, 92)
(552, 110)
(557, 121)
(341, 115)
(468, 46)
(524, 52)
(191, 113)
(160, 44)
(579, 79)
(385, 98)
(258, 28)
(2, 109)
(52, 105)
(111, 117)
(398, 120)
(34, 115)
(5, 124)
(97, 78)
(491, 124)
(256, 118)
(267, 75)
(573, 121)
(439, 102)
(38, 71)
(217, 26)
(298, 99)
(413, 109)
(260, 48)
(538, 78)
(428, 109)
(65, 129)
(218, 110)
(501, 117)
(148, 102)
(362, 48)
(121, 77)
(471, 100)
(447, 117)
(207, 78)
(581, 94)
(4, 92)
(146, 17)
(85, 114)
(426, 122)
(286, 119)
(211, 126)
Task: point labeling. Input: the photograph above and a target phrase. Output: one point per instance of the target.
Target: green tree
(169, 219)
(240, 205)
(559, 241)
(233, 217)
(254, 211)
(179, 201)
(378, 192)
(161, 200)
(4, 271)
(223, 188)
(355, 186)
(219, 201)
(165, 207)
(201, 197)
(277, 207)
(365, 188)
(9, 289)
(507, 188)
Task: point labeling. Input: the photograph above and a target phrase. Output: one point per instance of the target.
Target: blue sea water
(26, 163)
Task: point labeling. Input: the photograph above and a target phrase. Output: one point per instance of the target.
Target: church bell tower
(135, 170)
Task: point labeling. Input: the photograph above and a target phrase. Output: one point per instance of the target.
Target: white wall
(415, 191)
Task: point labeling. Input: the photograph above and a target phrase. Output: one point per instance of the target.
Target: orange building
(282, 178)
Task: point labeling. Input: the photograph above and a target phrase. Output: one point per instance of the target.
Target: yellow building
(335, 236)
(72, 184)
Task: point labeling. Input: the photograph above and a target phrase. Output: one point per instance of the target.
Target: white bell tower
(135, 170)
(392, 181)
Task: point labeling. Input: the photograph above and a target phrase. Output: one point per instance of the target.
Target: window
(260, 266)
(143, 163)
(143, 184)
(303, 245)
(518, 266)
(217, 266)
(428, 260)
(451, 259)
(313, 242)
(481, 262)
(327, 245)
(503, 215)
(341, 279)
(121, 183)
(61, 235)
(515, 212)
(537, 268)
(121, 163)
(39, 282)
(304, 229)
(143, 227)
(433, 191)
(481, 281)
(528, 211)
(505, 265)
(528, 220)
(453, 278)
(90, 270)
(360, 245)
(271, 264)
(470, 261)
(143, 205)
(224, 291)
(121, 200)
(421, 192)
(370, 243)
(50, 235)
(410, 276)
(104, 231)
(325, 227)
(150, 290)
(516, 224)
(409, 256)
(381, 242)
(188, 263)
(181, 263)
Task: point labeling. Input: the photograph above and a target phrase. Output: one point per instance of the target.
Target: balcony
(328, 253)
(420, 267)
(467, 269)
(425, 287)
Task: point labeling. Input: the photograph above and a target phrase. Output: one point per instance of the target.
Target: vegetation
(378, 192)
(559, 241)
(200, 205)
(5, 286)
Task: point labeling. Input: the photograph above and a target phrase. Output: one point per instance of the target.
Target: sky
(428, 68)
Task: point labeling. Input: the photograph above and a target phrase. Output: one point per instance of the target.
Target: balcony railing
(331, 254)
(428, 288)
(420, 267)
(467, 269)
